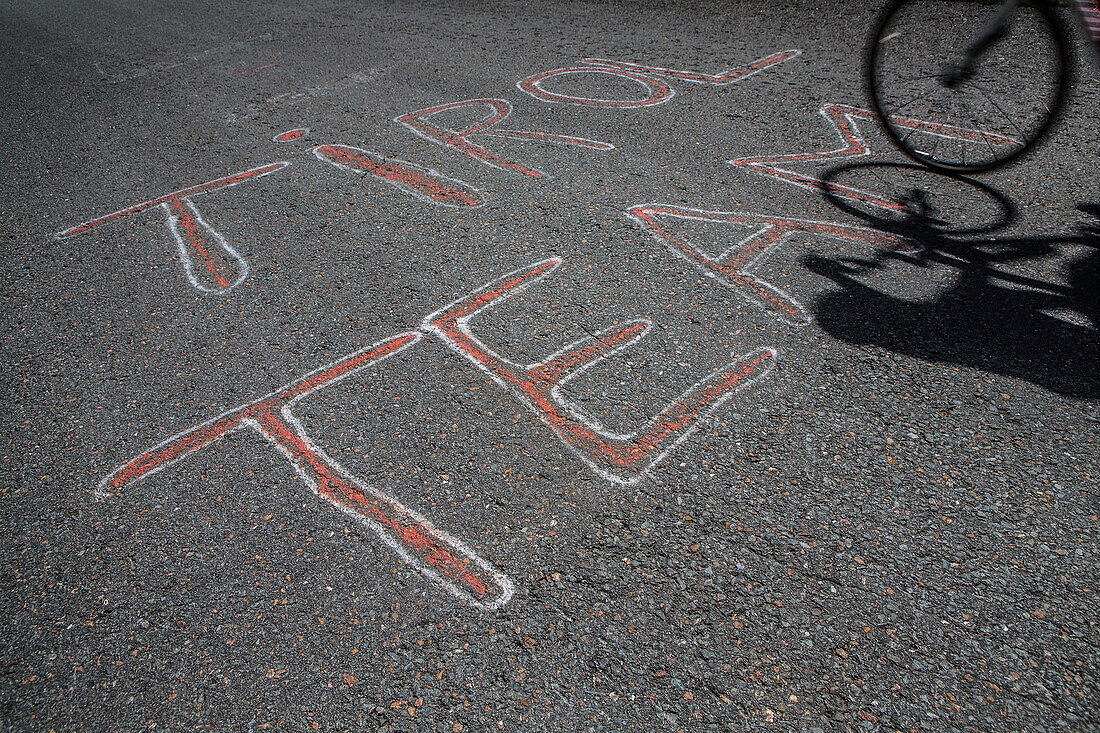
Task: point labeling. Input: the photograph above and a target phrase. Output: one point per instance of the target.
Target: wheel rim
(988, 119)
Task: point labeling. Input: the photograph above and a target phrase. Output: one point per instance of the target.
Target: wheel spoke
(1023, 135)
(1017, 87)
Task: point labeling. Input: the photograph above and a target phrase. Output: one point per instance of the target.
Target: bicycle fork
(958, 72)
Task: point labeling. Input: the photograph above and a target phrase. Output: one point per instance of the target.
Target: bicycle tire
(1006, 69)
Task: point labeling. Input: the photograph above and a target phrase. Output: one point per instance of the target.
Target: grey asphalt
(895, 529)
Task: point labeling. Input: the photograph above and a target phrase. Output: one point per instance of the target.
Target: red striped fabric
(1090, 14)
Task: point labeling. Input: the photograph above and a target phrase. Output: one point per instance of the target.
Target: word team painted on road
(437, 555)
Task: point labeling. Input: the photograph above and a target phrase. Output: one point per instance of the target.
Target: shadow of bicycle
(989, 317)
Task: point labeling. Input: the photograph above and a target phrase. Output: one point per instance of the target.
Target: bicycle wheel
(997, 111)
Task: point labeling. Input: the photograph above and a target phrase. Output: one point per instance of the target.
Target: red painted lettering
(657, 91)
(619, 458)
(733, 267)
(842, 118)
(499, 109)
(211, 264)
(423, 183)
(289, 135)
(436, 554)
(217, 183)
(729, 76)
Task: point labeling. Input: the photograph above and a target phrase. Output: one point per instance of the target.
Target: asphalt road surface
(362, 374)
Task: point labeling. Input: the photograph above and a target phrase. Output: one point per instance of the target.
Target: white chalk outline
(185, 257)
(447, 137)
(188, 192)
(722, 78)
(184, 196)
(842, 118)
(400, 185)
(767, 224)
(462, 322)
(303, 130)
(445, 538)
(645, 80)
(803, 317)
(505, 584)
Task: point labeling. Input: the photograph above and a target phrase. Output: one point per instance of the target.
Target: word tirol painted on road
(212, 265)
(439, 556)
(650, 78)
(843, 119)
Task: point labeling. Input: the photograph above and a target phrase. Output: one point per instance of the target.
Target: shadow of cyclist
(1083, 275)
(988, 318)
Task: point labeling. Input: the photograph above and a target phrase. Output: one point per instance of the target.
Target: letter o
(657, 91)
